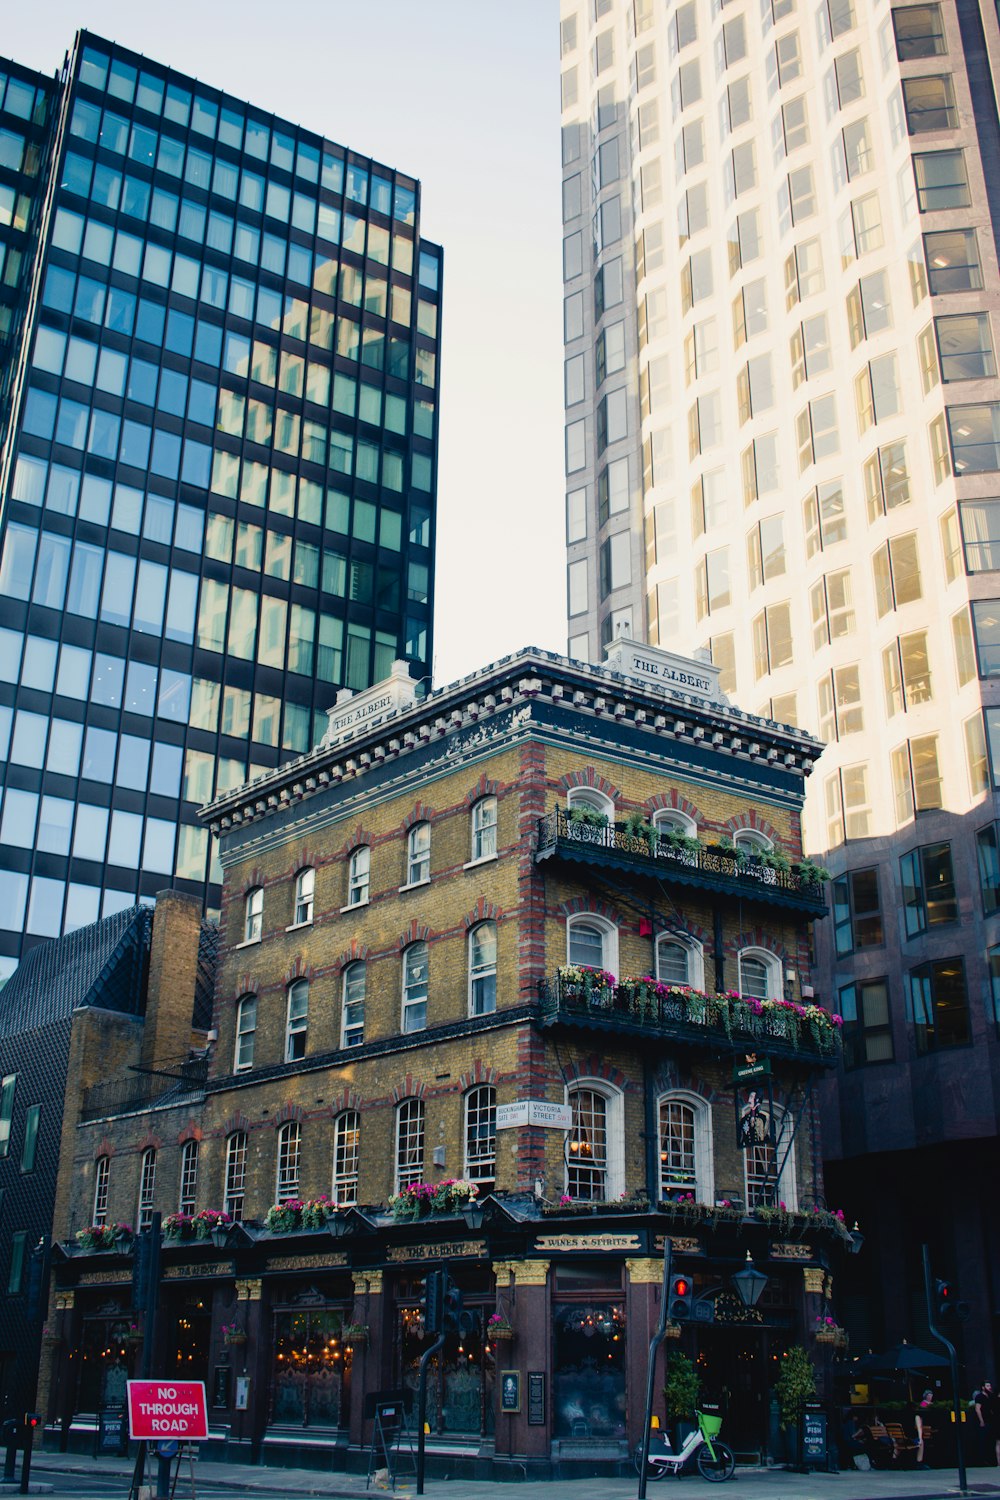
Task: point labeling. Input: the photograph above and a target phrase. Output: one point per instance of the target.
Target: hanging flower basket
(233, 1334)
(498, 1328)
(355, 1333)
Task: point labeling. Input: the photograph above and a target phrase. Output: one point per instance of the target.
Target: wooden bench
(902, 1443)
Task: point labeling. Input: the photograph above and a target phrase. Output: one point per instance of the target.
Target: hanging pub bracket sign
(753, 1102)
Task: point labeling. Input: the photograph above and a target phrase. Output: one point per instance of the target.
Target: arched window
(355, 983)
(236, 1174)
(592, 942)
(346, 1155)
(762, 1160)
(147, 1188)
(189, 1178)
(760, 974)
(481, 1137)
(669, 820)
(415, 987)
(297, 1023)
(680, 960)
(484, 829)
(102, 1177)
(246, 1033)
(253, 915)
(752, 842)
(685, 1138)
(305, 890)
(289, 1151)
(418, 854)
(483, 969)
(359, 876)
(409, 1143)
(590, 815)
(588, 799)
(595, 1163)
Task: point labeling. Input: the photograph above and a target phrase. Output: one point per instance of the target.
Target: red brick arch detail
(577, 904)
(483, 911)
(287, 1112)
(252, 880)
(408, 1088)
(484, 787)
(147, 1141)
(355, 952)
(417, 932)
(673, 802)
(757, 937)
(356, 839)
(479, 1073)
(669, 1077)
(693, 929)
(346, 1100)
(588, 777)
(191, 1132)
(298, 969)
(234, 1123)
(420, 813)
(595, 1067)
(308, 860)
(249, 985)
(104, 1147)
(752, 819)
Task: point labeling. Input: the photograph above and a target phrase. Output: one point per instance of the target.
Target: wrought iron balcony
(652, 853)
(670, 1013)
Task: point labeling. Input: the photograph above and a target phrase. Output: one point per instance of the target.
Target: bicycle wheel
(653, 1471)
(722, 1466)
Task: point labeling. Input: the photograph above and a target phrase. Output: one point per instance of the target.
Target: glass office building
(218, 363)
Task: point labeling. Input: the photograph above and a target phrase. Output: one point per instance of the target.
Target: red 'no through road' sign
(159, 1410)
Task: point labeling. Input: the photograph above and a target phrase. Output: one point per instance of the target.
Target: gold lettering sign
(306, 1262)
(464, 1248)
(681, 1244)
(197, 1272)
(550, 1242)
(782, 1250)
(105, 1278)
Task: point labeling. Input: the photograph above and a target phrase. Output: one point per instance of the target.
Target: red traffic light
(682, 1287)
(31, 1419)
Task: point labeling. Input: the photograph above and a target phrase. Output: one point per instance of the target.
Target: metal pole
(29, 1442)
(654, 1346)
(963, 1482)
(425, 1360)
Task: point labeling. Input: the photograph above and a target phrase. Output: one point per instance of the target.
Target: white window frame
(102, 1179)
(236, 1175)
(253, 915)
(614, 1118)
(296, 1025)
(773, 967)
(609, 938)
(703, 1187)
(353, 1035)
(672, 821)
(786, 1187)
(753, 842)
(346, 1157)
(695, 958)
(147, 1189)
(415, 988)
(305, 897)
(418, 854)
(483, 825)
(589, 796)
(289, 1158)
(413, 1113)
(480, 972)
(480, 1109)
(359, 874)
(246, 1006)
(188, 1198)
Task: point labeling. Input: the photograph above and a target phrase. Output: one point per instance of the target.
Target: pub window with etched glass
(346, 1156)
(147, 1189)
(236, 1175)
(189, 1178)
(867, 1029)
(481, 1137)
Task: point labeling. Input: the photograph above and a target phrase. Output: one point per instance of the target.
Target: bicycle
(714, 1458)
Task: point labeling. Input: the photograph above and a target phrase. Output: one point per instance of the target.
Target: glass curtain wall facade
(218, 480)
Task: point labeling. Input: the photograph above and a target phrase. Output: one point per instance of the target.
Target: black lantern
(857, 1239)
(750, 1283)
(474, 1213)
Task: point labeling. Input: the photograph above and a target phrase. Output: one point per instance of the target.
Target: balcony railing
(136, 1091)
(728, 1023)
(710, 867)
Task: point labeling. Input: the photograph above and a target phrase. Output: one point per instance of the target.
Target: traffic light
(31, 1420)
(949, 1305)
(434, 1301)
(452, 1306)
(681, 1291)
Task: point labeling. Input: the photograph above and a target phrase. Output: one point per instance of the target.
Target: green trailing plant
(675, 842)
(795, 1385)
(775, 860)
(680, 1394)
(637, 826)
(588, 817)
(810, 873)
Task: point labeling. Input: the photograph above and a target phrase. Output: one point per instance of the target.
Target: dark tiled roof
(103, 964)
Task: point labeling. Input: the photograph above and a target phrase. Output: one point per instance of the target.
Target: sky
(464, 95)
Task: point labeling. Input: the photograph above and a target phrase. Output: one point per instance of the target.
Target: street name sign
(535, 1112)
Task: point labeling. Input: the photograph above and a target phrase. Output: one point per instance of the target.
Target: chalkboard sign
(814, 1437)
(111, 1430)
(536, 1398)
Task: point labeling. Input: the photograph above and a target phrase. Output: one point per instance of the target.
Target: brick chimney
(173, 971)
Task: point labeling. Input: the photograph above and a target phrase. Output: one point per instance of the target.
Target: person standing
(986, 1405)
(919, 1415)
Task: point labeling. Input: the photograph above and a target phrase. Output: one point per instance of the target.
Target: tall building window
(253, 915)
(929, 103)
(29, 1145)
(297, 1022)
(346, 1157)
(867, 1030)
(305, 890)
(236, 1175)
(418, 854)
(18, 1259)
(102, 1178)
(919, 31)
(592, 943)
(940, 1005)
(481, 1137)
(246, 1033)
(355, 984)
(147, 1189)
(927, 877)
(358, 876)
(484, 829)
(760, 974)
(980, 522)
(916, 777)
(988, 859)
(896, 570)
(986, 626)
(595, 1165)
(679, 960)
(415, 987)
(993, 963)
(857, 913)
(685, 1141)
(906, 673)
(289, 1153)
(6, 1111)
(769, 1167)
(483, 969)
(409, 1143)
(189, 1178)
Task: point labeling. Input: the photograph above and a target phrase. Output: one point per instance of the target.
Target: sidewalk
(57, 1469)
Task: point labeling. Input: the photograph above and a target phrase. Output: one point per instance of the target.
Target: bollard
(8, 1436)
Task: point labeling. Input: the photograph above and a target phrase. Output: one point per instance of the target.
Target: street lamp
(750, 1283)
(474, 1213)
(857, 1239)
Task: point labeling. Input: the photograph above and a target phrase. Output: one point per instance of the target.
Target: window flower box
(105, 1237)
(422, 1199)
